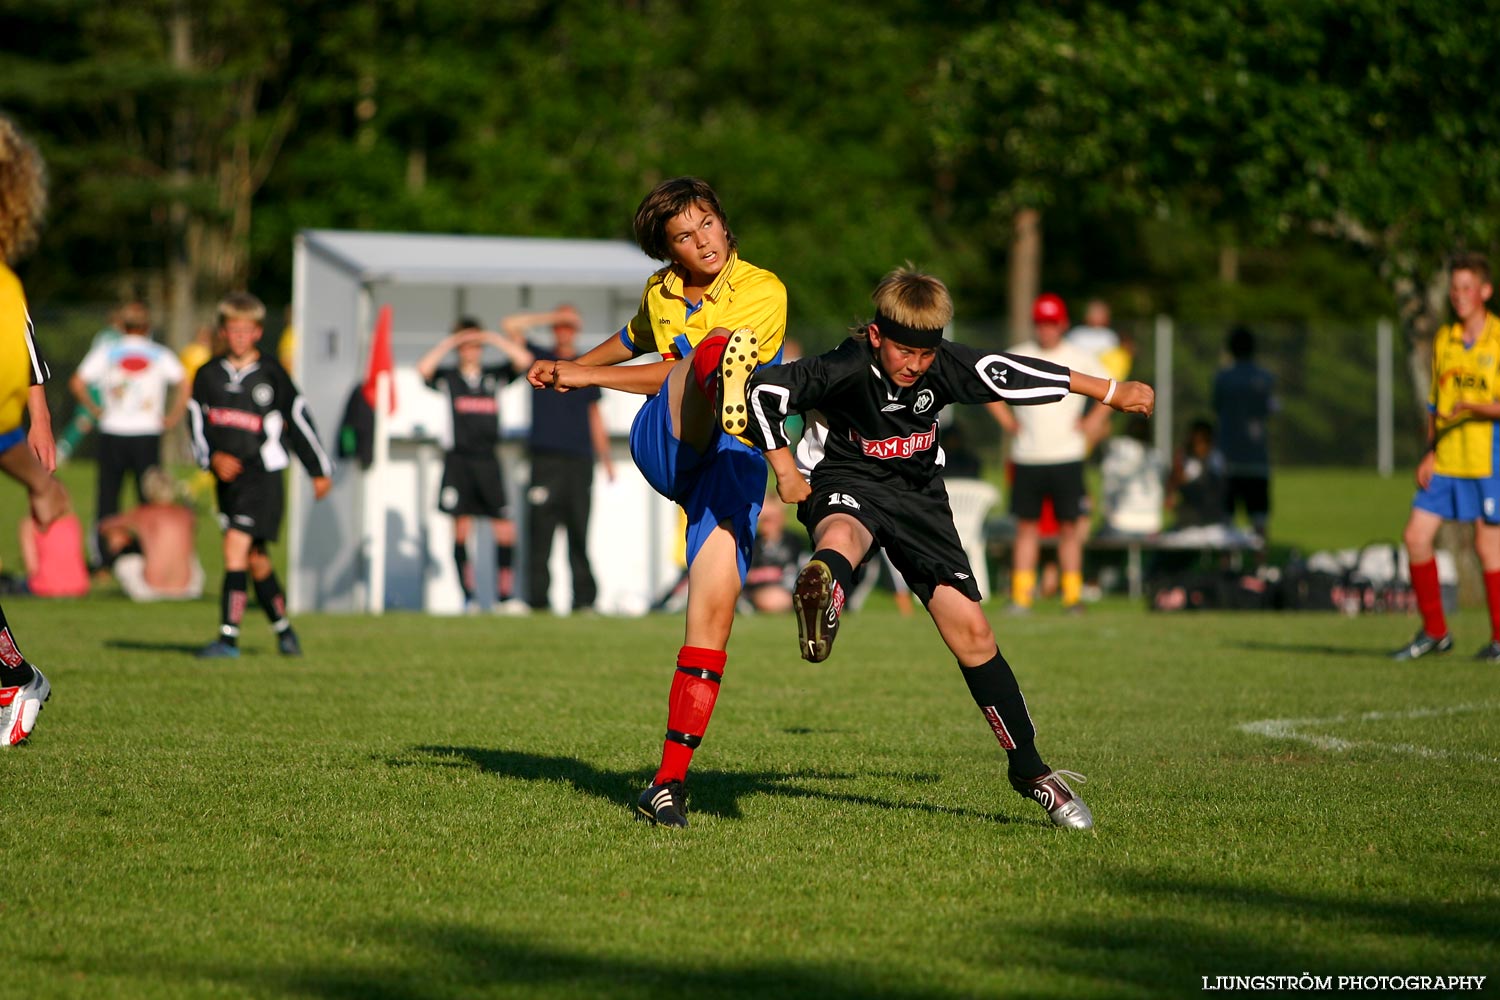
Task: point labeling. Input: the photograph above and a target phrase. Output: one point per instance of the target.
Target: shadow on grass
(1311, 649)
(1243, 930)
(717, 793)
(138, 646)
(438, 961)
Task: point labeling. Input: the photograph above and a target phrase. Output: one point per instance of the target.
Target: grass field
(424, 809)
(439, 808)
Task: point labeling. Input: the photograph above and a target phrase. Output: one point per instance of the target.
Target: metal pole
(1163, 417)
(375, 493)
(1385, 415)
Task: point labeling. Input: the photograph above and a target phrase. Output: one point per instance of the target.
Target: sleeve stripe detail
(1065, 379)
(772, 431)
(299, 416)
(195, 426)
(39, 370)
(1041, 392)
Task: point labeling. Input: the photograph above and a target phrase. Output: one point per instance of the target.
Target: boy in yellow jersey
(706, 305)
(28, 459)
(1459, 475)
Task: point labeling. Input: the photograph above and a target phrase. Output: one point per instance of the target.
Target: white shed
(341, 279)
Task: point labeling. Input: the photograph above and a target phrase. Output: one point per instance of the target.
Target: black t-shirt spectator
(476, 412)
(560, 420)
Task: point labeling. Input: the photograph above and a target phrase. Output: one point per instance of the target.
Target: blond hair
(23, 192)
(241, 305)
(158, 486)
(911, 298)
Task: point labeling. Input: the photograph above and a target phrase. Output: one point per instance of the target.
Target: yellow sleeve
(766, 315)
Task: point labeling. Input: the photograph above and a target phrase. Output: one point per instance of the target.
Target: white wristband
(1110, 394)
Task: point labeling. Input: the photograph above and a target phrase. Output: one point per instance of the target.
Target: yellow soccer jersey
(19, 367)
(1466, 445)
(742, 295)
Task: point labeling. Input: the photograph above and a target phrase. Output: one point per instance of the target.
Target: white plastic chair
(971, 500)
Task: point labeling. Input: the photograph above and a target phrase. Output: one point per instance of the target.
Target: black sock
(272, 601)
(461, 560)
(232, 606)
(14, 670)
(843, 585)
(993, 685)
(504, 556)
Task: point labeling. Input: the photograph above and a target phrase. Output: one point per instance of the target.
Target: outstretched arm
(1127, 397)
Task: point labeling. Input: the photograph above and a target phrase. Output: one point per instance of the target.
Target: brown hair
(911, 298)
(23, 192)
(664, 203)
(1475, 262)
(241, 305)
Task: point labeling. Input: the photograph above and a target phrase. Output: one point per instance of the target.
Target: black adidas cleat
(663, 805)
(1052, 792)
(1489, 653)
(287, 644)
(1421, 644)
(817, 602)
(741, 355)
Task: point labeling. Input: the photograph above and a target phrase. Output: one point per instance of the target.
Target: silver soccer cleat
(19, 706)
(1053, 793)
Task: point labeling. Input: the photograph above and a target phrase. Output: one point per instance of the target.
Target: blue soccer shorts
(1455, 499)
(726, 484)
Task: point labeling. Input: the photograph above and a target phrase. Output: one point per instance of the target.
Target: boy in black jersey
(473, 483)
(877, 481)
(243, 413)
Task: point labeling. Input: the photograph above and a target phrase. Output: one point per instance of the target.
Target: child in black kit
(876, 471)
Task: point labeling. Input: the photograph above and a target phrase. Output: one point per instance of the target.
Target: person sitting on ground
(774, 561)
(1132, 470)
(153, 545)
(1196, 488)
(53, 557)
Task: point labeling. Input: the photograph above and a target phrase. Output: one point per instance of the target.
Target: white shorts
(130, 570)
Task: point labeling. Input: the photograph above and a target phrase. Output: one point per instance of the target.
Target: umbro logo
(892, 407)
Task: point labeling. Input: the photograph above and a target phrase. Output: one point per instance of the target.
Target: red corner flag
(380, 359)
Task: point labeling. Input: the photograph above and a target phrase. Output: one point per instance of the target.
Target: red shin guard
(706, 368)
(695, 688)
(1424, 581)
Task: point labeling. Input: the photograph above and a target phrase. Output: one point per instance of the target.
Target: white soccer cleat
(19, 707)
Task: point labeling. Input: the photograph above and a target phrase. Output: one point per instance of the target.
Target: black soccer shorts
(913, 525)
(253, 503)
(473, 486)
(1062, 482)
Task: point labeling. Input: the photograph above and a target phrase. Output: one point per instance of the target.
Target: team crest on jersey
(924, 402)
(262, 394)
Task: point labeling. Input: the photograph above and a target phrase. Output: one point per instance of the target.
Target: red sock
(706, 363)
(1424, 580)
(1492, 596)
(695, 688)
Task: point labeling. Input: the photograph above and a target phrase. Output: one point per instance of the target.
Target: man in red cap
(1049, 446)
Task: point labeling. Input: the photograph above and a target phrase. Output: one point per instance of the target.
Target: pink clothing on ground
(59, 554)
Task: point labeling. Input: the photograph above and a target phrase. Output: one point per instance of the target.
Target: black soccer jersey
(877, 428)
(252, 413)
(475, 411)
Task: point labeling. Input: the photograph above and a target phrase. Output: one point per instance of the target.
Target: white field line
(1296, 729)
